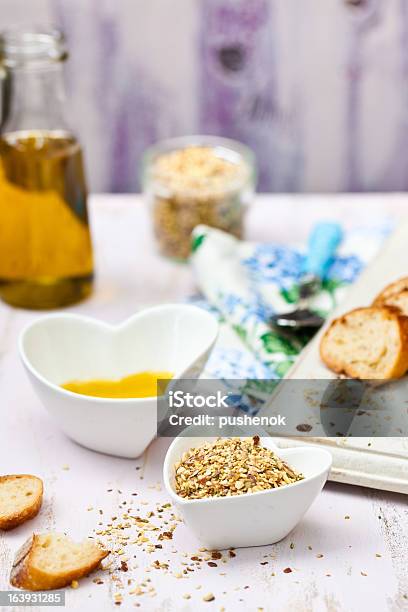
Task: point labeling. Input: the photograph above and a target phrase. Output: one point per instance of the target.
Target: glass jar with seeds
(196, 180)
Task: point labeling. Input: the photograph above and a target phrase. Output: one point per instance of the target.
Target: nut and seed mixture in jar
(195, 185)
(231, 466)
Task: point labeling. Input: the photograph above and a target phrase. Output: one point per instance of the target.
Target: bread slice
(396, 300)
(367, 343)
(20, 499)
(396, 287)
(53, 560)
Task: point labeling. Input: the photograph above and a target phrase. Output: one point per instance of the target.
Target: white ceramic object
(58, 348)
(251, 519)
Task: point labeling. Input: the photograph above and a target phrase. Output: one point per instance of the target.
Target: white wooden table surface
(338, 564)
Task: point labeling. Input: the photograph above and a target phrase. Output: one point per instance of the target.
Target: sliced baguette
(395, 300)
(20, 499)
(367, 343)
(53, 560)
(393, 288)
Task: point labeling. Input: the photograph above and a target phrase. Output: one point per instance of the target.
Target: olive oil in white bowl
(57, 348)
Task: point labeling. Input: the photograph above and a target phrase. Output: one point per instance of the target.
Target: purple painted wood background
(318, 88)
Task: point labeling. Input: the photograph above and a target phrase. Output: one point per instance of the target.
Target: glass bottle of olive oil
(45, 242)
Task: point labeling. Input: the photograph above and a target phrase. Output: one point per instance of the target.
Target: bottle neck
(35, 99)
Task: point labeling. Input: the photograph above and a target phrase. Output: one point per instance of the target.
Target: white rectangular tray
(381, 463)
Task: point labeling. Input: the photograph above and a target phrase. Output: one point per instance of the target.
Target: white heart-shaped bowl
(251, 519)
(58, 348)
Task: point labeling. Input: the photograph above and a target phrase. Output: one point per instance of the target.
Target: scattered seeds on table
(208, 597)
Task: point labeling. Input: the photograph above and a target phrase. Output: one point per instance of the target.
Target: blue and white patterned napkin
(244, 283)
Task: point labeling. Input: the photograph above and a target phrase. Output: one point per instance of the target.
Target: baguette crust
(392, 289)
(334, 357)
(10, 519)
(26, 574)
(395, 300)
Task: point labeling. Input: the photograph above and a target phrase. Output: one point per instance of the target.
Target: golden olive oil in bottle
(45, 242)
